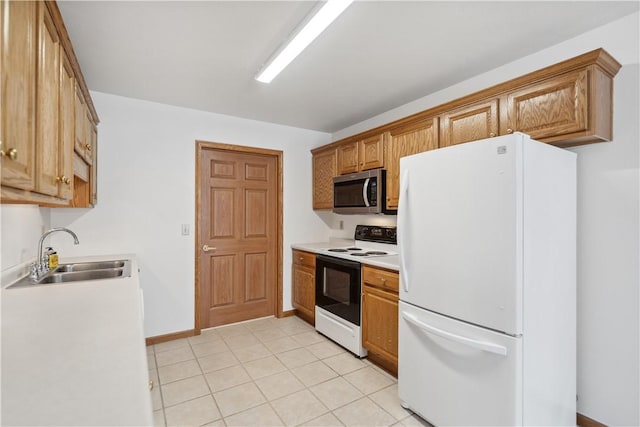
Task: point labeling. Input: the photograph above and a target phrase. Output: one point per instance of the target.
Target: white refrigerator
(487, 312)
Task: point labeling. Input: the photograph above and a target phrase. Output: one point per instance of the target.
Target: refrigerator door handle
(402, 222)
(365, 192)
(480, 345)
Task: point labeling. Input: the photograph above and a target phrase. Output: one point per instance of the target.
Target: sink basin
(75, 276)
(80, 271)
(84, 266)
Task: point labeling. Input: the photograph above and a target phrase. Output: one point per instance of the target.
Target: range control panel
(376, 233)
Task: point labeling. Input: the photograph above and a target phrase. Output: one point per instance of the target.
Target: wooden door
(348, 158)
(324, 169)
(470, 123)
(371, 152)
(238, 236)
(554, 107)
(18, 93)
(405, 141)
(48, 94)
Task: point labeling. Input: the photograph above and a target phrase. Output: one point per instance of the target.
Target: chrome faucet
(41, 266)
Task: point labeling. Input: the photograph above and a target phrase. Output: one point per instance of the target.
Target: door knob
(208, 248)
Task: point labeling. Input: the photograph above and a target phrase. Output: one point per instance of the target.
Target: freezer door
(460, 232)
(455, 374)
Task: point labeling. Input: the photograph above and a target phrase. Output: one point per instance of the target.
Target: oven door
(338, 287)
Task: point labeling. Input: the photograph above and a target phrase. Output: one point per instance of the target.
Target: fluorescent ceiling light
(316, 25)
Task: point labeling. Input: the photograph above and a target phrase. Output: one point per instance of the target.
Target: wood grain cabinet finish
(49, 151)
(303, 278)
(18, 100)
(361, 155)
(470, 123)
(39, 117)
(380, 316)
(566, 104)
(324, 169)
(405, 141)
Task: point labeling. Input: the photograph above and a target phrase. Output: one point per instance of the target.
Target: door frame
(277, 154)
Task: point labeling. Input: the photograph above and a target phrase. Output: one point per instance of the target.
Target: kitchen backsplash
(349, 222)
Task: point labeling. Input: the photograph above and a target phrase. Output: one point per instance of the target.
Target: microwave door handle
(365, 192)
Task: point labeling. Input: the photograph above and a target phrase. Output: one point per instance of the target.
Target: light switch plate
(185, 229)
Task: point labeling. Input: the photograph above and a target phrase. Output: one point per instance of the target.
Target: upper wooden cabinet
(39, 115)
(18, 96)
(405, 141)
(565, 104)
(361, 155)
(470, 123)
(324, 169)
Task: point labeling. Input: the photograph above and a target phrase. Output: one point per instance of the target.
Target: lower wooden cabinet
(303, 284)
(380, 316)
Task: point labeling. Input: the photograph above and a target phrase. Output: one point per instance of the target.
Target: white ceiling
(378, 55)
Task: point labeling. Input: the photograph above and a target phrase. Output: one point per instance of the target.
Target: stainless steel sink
(84, 266)
(75, 276)
(81, 271)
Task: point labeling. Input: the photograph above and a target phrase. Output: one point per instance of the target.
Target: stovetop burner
(369, 253)
(337, 250)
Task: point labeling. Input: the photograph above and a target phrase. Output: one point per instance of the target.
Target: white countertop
(74, 354)
(391, 262)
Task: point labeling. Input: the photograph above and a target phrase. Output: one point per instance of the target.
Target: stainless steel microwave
(360, 193)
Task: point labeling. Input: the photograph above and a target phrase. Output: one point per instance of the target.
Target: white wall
(22, 226)
(608, 232)
(146, 190)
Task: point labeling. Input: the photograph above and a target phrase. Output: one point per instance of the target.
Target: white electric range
(338, 284)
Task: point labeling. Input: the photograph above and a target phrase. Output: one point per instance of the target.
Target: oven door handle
(365, 192)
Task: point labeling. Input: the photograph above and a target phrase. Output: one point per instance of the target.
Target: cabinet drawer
(384, 279)
(304, 258)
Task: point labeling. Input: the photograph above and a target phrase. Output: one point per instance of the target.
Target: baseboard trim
(288, 313)
(584, 421)
(169, 337)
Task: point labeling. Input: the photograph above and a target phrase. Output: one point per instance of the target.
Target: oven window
(337, 285)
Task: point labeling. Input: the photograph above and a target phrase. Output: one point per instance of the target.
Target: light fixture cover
(316, 25)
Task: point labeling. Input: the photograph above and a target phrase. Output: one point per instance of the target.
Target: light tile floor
(269, 372)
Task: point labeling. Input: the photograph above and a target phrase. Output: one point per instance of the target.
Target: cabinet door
(324, 169)
(554, 107)
(405, 142)
(18, 93)
(80, 117)
(48, 95)
(470, 123)
(380, 322)
(371, 152)
(348, 158)
(93, 141)
(67, 127)
(304, 300)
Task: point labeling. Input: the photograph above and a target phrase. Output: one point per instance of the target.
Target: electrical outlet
(185, 229)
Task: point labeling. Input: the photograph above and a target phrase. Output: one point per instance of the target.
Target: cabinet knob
(383, 280)
(87, 146)
(63, 179)
(208, 248)
(150, 384)
(11, 154)
(509, 130)
(492, 134)
(300, 259)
